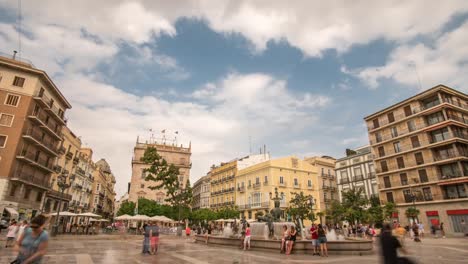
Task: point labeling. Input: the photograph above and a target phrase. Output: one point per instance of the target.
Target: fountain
(267, 234)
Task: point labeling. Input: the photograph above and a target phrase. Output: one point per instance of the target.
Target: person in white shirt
(23, 226)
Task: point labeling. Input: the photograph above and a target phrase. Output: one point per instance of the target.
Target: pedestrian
(322, 240)
(292, 239)
(314, 236)
(11, 233)
(400, 233)
(284, 239)
(421, 229)
(146, 239)
(154, 237)
(463, 227)
(415, 229)
(32, 245)
(244, 227)
(247, 237)
(389, 245)
(345, 231)
(187, 232)
(21, 228)
(442, 231)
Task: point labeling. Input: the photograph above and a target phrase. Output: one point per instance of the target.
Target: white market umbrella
(229, 220)
(165, 219)
(89, 214)
(124, 217)
(93, 220)
(140, 217)
(66, 213)
(220, 220)
(103, 220)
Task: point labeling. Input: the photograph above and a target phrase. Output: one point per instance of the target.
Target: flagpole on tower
(175, 139)
(164, 136)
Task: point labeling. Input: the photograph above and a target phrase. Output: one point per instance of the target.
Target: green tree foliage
(354, 203)
(204, 214)
(126, 208)
(152, 208)
(227, 213)
(166, 176)
(336, 212)
(374, 213)
(388, 210)
(412, 212)
(300, 206)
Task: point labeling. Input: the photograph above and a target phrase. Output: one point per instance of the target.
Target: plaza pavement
(174, 250)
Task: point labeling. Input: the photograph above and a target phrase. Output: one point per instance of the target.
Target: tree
(126, 208)
(166, 176)
(227, 213)
(335, 212)
(388, 209)
(301, 207)
(375, 213)
(355, 205)
(412, 213)
(321, 215)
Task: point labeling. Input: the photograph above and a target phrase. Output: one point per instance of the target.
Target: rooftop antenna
(413, 64)
(19, 30)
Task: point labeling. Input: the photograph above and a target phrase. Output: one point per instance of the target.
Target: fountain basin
(345, 247)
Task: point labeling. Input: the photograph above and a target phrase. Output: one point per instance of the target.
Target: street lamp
(62, 185)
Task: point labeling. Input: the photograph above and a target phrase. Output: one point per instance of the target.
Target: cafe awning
(11, 211)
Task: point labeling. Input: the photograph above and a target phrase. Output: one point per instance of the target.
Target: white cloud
(442, 62)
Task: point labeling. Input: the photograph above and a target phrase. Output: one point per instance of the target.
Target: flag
(163, 131)
(177, 132)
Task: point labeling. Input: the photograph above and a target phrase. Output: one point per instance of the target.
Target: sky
(232, 76)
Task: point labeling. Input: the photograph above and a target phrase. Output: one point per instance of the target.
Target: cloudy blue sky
(297, 76)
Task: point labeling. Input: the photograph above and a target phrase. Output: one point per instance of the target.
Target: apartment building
(421, 156)
(256, 185)
(82, 182)
(32, 114)
(326, 179)
(103, 196)
(179, 156)
(65, 166)
(222, 180)
(201, 193)
(357, 171)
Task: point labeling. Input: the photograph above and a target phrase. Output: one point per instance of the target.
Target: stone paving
(101, 249)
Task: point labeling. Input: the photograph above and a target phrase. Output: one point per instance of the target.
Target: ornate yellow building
(222, 184)
(256, 184)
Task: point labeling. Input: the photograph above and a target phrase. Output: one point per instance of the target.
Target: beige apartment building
(179, 156)
(82, 182)
(103, 196)
(327, 185)
(256, 185)
(32, 112)
(201, 193)
(421, 156)
(222, 184)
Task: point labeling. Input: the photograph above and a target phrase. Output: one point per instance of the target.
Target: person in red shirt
(315, 243)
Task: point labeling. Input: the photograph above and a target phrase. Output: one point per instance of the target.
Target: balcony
(325, 187)
(265, 183)
(297, 186)
(358, 178)
(450, 176)
(344, 181)
(35, 137)
(69, 155)
(371, 175)
(62, 150)
(450, 154)
(36, 161)
(283, 184)
(59, 195)
(254, 205)
(57, 168)
(75, 161)
(241, 189)
(47, 104)
(256, 185)
(310, 187)
(29, 178)
(57, 114)
(41, 121)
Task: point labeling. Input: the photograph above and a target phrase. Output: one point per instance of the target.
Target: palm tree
(320, 215)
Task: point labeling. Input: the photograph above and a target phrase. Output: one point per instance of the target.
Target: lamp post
(63, 185)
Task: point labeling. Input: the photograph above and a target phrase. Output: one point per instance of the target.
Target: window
(18, 81)
(309, 183)
(39, 196)
(440, 135)
(387, 183)
(419, 158)
(391, 117)
(266, 179)
(381, 151)
(408, 196)
(427, 194)
(142, 186)
(378, 136)
(397, 147)
(415, 142)
(97, 188)
(404, 179)
(257, 180)
(435, 118)
(400, 162)
(12, 100)
(27, 192)
(281, 180)
(449, 171)
(357, 171)
(143, 173)
(3, 140)
(13, 189)
(390, 197)
(295, 182)
(376, 123)
(6, 120)
(394, 132)
(407, 110)
(423, 176)
(411, 125)
(383, 165)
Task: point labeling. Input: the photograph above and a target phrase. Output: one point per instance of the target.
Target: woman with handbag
(32, 245)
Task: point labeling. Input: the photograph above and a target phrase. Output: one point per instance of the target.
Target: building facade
(179, 156)
(32, 114)
(82, 182)
(222, 180)
(328, 190)
(357, 171)
(201, 193)
(421, 156)
(103, 199)
(256, 185)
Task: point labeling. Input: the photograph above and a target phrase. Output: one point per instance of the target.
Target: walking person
(247, 237)
(442, 231)
(11, 234)
(187, 232)
(146, 239)
(292, 239)
(421, 229)
(21, 228)
(314, 236)
(284, 240)
(389, 245)
(154, 237)
(463, 227)
(32, 245)
(400, 232)
(322, 240)
(415, 229)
